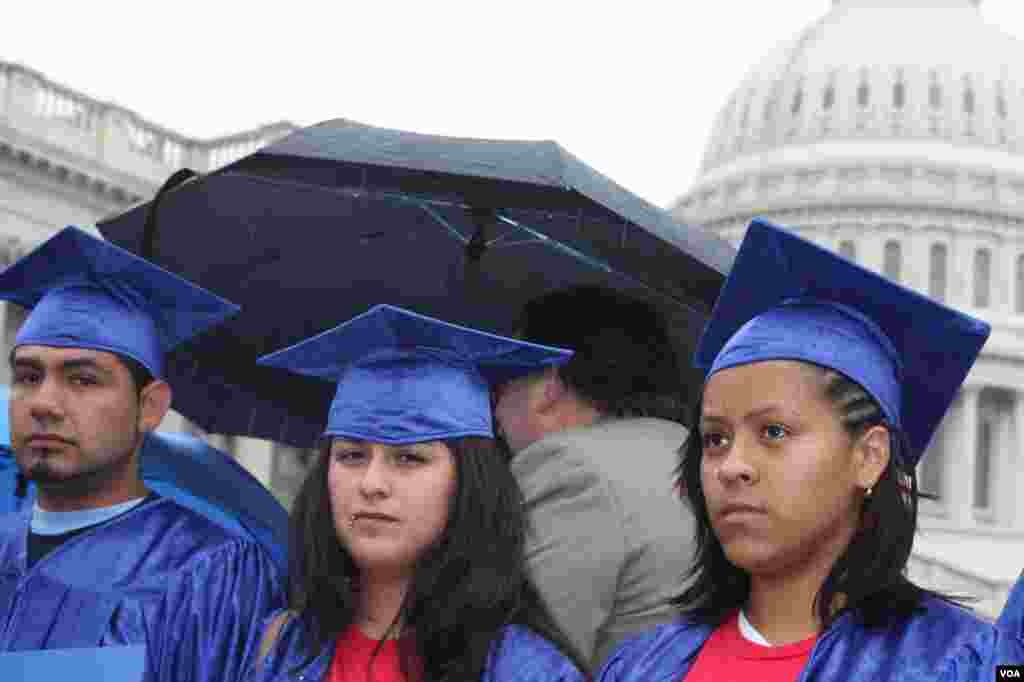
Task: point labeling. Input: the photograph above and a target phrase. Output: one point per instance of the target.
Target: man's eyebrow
(83, 363)
(26, 362)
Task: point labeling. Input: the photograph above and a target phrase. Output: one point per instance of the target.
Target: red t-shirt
(728, 657)
(352, 655)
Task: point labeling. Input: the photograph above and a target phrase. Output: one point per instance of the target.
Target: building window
(983, 466)
(982, 278)
(848, 250)
(893, 260)
(937, 272)
(1001, 105)
(829, 98)
(935, 96)
(863, 94)
(1020, 284)
(899, 94)
(798, 100)
(969, 101)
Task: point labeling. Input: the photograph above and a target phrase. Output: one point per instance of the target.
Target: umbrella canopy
(318, 227)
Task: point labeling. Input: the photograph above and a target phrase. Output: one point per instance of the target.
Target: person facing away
(99, 560)
(594, 444)
(825, 384)
(407, 543)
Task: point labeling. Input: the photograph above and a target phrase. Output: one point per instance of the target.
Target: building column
(257, 456)
(1015, 471)
(960, 484)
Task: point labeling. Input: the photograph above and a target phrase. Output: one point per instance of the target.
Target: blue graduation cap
(789, 299)
(88, 293)
(406, 378)
(103, 664)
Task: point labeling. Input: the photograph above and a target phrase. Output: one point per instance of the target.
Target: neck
(782, 604)
(381, 597)
(576, 413)
(94, 490)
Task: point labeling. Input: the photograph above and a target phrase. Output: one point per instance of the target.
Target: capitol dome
(901, 81)
(892, 131)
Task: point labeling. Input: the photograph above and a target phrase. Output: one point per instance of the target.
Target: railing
(31, 101)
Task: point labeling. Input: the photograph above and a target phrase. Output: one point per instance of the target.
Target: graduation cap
(406, 378)
(103, 664)
(789, 299)
(88, 293)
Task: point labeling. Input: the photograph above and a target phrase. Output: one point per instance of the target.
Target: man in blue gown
(99, 560)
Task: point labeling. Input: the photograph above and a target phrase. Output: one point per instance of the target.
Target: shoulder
(660, 653)
(585, 446)
(186, 539)
(522, 654)
(651, 430)
(283, 648)
(13, 525)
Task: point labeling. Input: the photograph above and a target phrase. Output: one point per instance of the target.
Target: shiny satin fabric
(522, 657)
(915, 648)
(160, 575)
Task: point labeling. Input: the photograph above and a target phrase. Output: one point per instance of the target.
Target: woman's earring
(867, 493)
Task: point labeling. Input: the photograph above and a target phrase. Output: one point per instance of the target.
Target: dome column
(960, 487)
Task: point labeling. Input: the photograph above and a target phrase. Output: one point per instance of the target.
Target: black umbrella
(316, 228)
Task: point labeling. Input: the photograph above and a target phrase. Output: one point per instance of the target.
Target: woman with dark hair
(407, 535)
(825, 383)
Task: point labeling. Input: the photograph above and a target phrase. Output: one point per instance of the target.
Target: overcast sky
(630, 87)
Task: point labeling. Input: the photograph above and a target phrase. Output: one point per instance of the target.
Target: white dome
(915, 70)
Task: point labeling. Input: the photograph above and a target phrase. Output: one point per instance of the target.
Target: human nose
(45, 401)
(376, 480)
(736, 466)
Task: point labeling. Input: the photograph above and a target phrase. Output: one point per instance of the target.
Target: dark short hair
(870, 572)
(624, 361)
(141, 377)
(464, 591)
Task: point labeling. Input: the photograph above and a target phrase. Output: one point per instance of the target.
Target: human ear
(872, 450)
(154, 402)
(553, 390)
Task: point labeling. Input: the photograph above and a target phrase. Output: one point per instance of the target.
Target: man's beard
(81, 483)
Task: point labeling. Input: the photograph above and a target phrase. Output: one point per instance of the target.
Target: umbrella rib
(589, 260)
(555, 244)
(438, 217)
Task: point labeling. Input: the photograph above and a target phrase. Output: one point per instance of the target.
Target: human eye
(713, 440)
(774, 432)
(27, 377)
(410, 457)
(347, 455)
(82, 379)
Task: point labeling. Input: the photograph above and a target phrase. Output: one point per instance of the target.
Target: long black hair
(869, 577)
(464, 590)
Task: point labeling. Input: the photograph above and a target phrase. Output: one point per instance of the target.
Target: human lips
(736, 510)
(373, 516)
(46, 440)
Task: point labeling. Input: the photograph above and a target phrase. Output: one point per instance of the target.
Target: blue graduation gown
(912, 649)
(1011, 622)
(160, 575)
(523, 656)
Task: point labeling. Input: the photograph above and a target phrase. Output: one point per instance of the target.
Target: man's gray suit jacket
(610, 538)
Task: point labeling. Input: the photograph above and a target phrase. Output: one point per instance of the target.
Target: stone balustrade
(45, 116)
